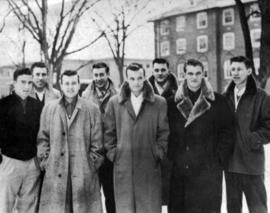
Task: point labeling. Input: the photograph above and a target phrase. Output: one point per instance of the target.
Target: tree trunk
(246, 32)
(121, 72)
(264, 71)
(57, 69)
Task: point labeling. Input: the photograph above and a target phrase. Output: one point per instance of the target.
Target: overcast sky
(140, 44)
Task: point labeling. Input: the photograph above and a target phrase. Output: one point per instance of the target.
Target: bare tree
(117, 23)
(54, 45)
(264, 6)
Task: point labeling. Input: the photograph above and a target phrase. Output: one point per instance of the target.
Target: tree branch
(85, 46)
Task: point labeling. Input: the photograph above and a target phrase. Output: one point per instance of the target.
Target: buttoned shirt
(136, 102)
(237, 95)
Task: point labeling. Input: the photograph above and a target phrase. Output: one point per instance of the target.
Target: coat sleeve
(162, 131)
(96, 148)
(226, 132)
(3, 131)
(261, 135)
(110, 136)
(43, 138)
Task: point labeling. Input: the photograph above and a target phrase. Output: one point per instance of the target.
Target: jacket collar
(251, 87)
(148, 93)
(170, 88)
(183, 103)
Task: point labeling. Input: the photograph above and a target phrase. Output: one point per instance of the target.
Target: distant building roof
(199, 6)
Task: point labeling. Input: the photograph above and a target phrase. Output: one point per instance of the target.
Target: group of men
(154, 142)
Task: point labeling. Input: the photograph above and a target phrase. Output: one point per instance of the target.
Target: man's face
(40, 77)
(135, 80)
(194, 76)
(160, 72)
(239, 73)
(100, 77)
(70, 86)
(23, 86)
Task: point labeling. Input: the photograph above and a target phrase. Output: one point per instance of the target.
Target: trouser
(106, 180)
(253, 188)
(19, 185)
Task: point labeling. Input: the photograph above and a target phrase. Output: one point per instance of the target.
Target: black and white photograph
(134, 106)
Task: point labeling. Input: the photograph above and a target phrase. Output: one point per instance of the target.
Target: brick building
(208, 30)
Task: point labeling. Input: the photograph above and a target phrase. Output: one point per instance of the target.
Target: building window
(254, 10)
(164, 27)
(228, 17)
(165, 48)
(181, 46)
(255, 35)
(228, 41)
(202, 20)
(227, 70)
(180, 71)
(205, 68)
(256, 65)
(180, 23)
(202, 43)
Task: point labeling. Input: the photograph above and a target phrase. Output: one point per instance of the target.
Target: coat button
(187, 166)
(62, 153)
(187, 148)
(63, 133)
(59, 175)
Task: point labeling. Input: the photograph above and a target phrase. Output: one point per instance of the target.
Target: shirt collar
(73, 103)
(239, 92)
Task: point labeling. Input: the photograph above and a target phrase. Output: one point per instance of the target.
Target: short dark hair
(69, 73)
(135, 67)
(21, 71)
(160, 61)
(101, 65)
(38, 64)
(193, 62)
(242, 59)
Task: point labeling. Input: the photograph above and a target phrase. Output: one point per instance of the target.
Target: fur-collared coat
(75, 148)
(253, 128)
(90, 93)
(170, 89)
(136, 145)
(200, 143)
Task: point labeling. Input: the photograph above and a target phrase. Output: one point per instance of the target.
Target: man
(100, 91)
(43, 93)
(164, 83)
(136, 133)
(19, 123)
(162, 80)
(200, 142)
(69, 146)
(251, 107)
(41, 89)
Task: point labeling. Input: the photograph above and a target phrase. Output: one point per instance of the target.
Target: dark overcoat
(136, 145)
(200, 143)
(252, 119)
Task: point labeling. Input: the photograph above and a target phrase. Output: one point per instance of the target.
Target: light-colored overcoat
(75, 148)
(136, 145)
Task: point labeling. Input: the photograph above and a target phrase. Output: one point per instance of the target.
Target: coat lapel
(189, 111)
(124, 98)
